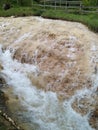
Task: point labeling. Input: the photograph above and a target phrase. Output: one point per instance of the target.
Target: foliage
(24, 2)
(17, 2)
(19, 11)
(90, 2)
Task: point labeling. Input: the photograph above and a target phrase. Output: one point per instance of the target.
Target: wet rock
(6, 122)
(5, 125)
(95, 113)
(2, 82)
(3, 106)
(94, 119)
(1, 67)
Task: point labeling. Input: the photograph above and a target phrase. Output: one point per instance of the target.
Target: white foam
(72, 49)
(24, 36)
(71, 55)
(93, 48)
(42, 108)
(73, 38)
(4, 24)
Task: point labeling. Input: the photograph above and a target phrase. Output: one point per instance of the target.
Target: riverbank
(6, 122)
(89, 19)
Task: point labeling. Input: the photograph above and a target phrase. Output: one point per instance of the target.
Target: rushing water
(43, 109)
(36, 109)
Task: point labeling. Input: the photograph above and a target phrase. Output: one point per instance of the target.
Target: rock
(6, 122)
(12, 16)
(2, 82)
(1, 67)
(94, 119)
(95, 114)
(2, 102)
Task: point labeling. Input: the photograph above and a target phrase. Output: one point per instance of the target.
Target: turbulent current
(50, 69)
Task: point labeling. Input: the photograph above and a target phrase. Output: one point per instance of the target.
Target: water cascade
(47, 85)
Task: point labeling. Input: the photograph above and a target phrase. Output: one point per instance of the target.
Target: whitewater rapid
(43, 109)
(36, 49)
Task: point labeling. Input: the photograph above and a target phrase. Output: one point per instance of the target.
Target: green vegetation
(19, 11)
(90, 2)
(24, 2)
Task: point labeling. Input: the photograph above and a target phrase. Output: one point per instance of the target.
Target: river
(51, 73)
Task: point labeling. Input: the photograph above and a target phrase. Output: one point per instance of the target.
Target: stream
(50, 72)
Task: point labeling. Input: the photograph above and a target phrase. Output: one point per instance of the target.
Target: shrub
(25, 2)
(90, 2)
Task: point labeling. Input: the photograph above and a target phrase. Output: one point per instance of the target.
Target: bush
(90, 2)
(25, 2)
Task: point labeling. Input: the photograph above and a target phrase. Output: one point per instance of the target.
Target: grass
(90, 19)
(19, 11)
